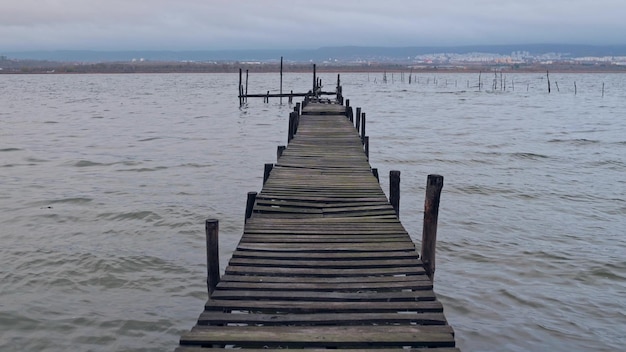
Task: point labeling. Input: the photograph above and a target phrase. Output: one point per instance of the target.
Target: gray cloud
(232, 24)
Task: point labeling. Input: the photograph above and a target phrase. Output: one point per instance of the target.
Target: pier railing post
(366, 145)
(267, 171)
(212, 254)
(431, 213)
(394, 191)
(290, 129)
(279, 151)
(250, 204)
(375, 173)
(358, 118)
(363, 127)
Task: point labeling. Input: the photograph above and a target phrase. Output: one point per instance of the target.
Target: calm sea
(105, 182)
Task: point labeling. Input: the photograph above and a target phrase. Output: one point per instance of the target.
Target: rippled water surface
(105, 182)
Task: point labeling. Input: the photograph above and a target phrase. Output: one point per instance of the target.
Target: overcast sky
(299, 24)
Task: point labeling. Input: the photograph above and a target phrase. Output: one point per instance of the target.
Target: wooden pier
(324, 262)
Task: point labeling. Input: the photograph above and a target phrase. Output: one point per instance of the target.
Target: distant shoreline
(233, 67)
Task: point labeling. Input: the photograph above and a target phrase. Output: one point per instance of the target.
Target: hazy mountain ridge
(320, 54)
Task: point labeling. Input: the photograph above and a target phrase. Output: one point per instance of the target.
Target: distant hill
(321, 54)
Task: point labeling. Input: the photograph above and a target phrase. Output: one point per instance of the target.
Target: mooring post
(394, 191)
(239, 88)
(292, 121)
(212, 254)
(314, 79)
(298, 109)
(279, 151)
(367, 146)
(363, 128)
(267, 171)
(347, 113)
(375, 173)
(358, 117)
(431, 213)
(250, 204)
(246, 99)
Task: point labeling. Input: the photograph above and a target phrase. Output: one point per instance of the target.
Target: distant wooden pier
(324, 262)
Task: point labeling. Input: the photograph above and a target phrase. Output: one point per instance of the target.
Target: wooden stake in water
(431, 214)
(212, 254)
(548, 77)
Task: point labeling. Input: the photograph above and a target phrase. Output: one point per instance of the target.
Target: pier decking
(324, 262)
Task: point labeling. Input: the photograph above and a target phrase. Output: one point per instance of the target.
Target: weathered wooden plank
(325, 264)
(321, 336)
(362, 296)
(219, 318)
(423, 284)
(314, 247)
(280, 349)
(322, 280)
(324, 307)
(322, 272)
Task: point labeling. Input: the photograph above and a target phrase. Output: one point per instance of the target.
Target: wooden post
(212, 255)
(394, 191)
(246, 86)
(279, 151)
(358, 118)
(431, 213)
(250, 204)
(239, 88)
(548, 77)
(267, 171)
(281, 80)
(347, 108)
(363, 127)
(298, 109)
(290, 129)
(314, 79)
(367, 146)
(267, 97)
(375, 173)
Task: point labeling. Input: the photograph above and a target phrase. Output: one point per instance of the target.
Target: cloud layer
(273, 24)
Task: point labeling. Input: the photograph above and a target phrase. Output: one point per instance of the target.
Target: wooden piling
(281, 80)
(250, 204)
(347, 108)
(279, 151)
(375, 173)
(363, 127)
(212, 254)
(239, 87)
(366, 144)
(246, 98)
(394, 191)
(358, 114)
(314, 79)
(267, 171)
(290, 127)
(429, 232)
